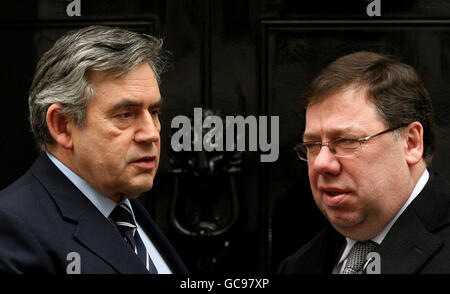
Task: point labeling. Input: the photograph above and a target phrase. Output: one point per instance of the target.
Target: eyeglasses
(342, 147)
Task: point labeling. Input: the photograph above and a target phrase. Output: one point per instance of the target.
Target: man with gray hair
(94, 105)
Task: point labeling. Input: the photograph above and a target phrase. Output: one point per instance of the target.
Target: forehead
(346, 111)
(139, 85)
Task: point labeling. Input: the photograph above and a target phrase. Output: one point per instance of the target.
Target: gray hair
(62, 72)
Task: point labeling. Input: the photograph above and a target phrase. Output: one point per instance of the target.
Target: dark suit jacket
(44, 217)
(418, 242)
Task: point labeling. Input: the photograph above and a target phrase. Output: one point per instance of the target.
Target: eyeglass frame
(360, 141)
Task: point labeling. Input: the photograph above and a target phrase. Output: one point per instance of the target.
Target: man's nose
(148, 129)
(326, 162)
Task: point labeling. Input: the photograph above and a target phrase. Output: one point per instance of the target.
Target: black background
(245, 58)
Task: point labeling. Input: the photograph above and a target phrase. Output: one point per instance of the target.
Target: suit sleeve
(20, 251)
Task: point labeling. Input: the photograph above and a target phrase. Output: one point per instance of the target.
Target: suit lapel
(103, 240)
(322, 253)
(411, 242)
(333, 250)
(407, 246)
(93, 230)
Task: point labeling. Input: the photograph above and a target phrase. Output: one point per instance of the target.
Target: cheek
(369, 179)
(158, 147)
(109, 150)
(86, 144)
(158, 157)
(313, 177)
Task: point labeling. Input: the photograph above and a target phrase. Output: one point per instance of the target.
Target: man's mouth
(145, 162)
(335, 196)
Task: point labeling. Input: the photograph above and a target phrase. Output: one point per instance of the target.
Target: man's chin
(136, 189)
(352, 228)
(343, 221)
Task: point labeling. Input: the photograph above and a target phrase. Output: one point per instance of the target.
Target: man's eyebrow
(126, 103)
(309, 136)
(332, 133)
(157, 104)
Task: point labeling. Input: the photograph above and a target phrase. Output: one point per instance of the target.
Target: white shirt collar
(380, 237)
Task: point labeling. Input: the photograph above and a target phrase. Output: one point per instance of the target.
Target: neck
(416, 172)
(65, 157)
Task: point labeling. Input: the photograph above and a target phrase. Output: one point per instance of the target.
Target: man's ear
(59, 126)
(414, 142)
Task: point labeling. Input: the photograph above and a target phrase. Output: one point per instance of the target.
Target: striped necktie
(123, 218)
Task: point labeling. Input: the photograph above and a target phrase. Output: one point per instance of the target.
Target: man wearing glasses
(368, 140)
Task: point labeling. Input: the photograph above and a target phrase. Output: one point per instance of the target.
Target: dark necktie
(123, 218)
(358, 256)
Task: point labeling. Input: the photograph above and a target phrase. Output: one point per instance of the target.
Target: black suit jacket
(44, 217)
(418, 242)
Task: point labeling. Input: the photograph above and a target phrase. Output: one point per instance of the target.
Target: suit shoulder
(18, 186)
(432, 205)
(22, 193)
